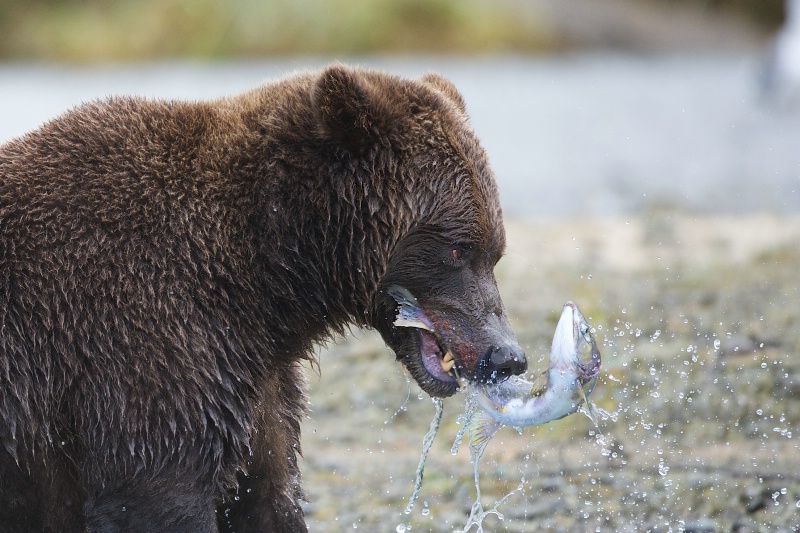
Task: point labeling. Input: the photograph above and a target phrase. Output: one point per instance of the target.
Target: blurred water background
(583, 107)
(648, 158)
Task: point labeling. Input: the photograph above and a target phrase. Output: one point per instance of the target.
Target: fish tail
(409, 314)
(481, 428)
(412, 320)
(401, 295)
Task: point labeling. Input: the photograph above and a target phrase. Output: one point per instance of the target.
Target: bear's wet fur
(166, 268)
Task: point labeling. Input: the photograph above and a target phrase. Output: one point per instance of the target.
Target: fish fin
(591, 413)
(481, 428)
(587, 407)
(539, 385)
(597, 413)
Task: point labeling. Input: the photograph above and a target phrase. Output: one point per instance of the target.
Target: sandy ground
(698, 321)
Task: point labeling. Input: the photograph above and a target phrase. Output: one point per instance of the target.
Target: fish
(559, 391)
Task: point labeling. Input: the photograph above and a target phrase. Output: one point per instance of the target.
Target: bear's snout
(501, 362)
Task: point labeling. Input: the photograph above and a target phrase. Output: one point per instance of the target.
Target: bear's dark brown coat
(165, 268)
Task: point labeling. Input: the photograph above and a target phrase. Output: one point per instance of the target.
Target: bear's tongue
(431, 355)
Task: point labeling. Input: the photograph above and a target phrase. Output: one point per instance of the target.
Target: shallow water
(575, 134)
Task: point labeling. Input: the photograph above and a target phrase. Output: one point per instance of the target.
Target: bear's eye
(460, 252)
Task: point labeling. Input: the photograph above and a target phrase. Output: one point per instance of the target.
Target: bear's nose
(500, 362)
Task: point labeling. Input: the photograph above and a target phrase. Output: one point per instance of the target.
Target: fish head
(446, 322)
(574, 346)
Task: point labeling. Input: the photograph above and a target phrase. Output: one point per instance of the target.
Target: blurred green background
(90, 31)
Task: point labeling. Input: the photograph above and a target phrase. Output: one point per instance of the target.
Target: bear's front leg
(160, 502)
(269, 493)
(40, 496)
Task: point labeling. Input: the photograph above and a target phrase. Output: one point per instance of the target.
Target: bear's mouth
(436, 358)
(420, 345)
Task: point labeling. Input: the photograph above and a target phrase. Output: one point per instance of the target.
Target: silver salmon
(559, 391)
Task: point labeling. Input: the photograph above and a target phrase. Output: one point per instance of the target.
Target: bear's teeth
(447, 366)
(447, 357)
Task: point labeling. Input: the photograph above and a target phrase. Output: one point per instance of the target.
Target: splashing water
(469, 409)
(477, 513)
(427, 442)
(404, 407)
(595, 413)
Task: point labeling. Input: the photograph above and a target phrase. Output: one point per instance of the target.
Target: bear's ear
(445, 86)
(351, 111)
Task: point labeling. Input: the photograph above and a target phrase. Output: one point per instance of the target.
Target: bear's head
(433, 200)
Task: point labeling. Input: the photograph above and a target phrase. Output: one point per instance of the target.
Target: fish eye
(584, 329)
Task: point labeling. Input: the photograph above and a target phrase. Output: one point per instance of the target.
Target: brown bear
(166, 267)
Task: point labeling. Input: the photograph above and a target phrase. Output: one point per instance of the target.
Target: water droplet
(717, 344)
(401, 528)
